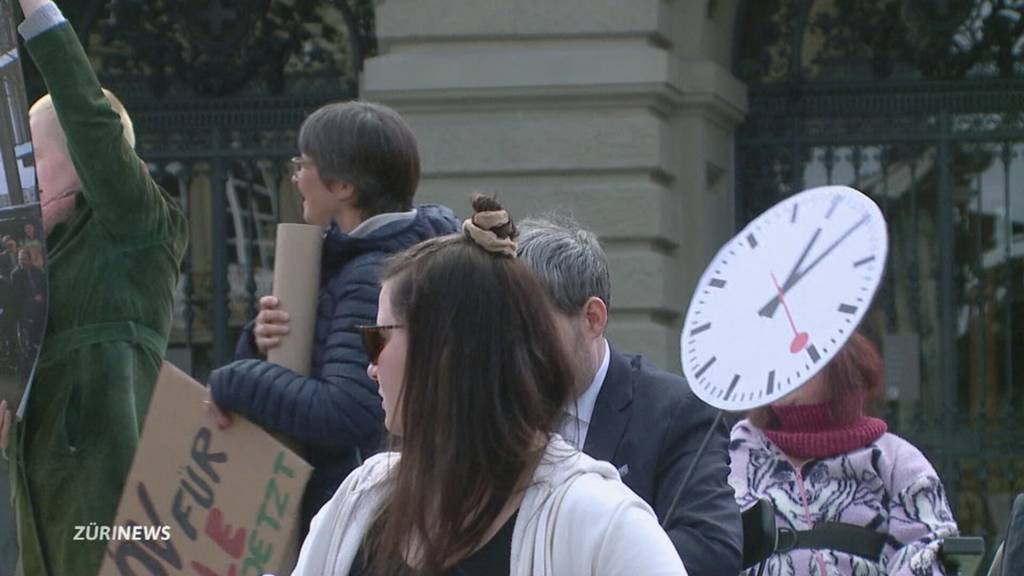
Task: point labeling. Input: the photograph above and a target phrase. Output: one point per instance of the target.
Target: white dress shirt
(577, 416)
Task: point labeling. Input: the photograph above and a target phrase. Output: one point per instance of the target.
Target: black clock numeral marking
(700, 329)
(771, 382)
(832, 208)
(813, 353)
(847, 309)
(752, 240)
(863, 261)
(792, 217)
(717, 283)
(705, 367)
(732, 386)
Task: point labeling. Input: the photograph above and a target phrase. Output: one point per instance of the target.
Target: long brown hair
(485, 375)
(853, 382)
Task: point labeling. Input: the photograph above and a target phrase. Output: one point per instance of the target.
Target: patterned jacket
(887, 486)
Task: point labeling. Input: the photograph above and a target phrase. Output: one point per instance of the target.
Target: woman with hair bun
(850, 498)
(473, 379)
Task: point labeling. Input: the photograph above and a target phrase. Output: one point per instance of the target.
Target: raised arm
(114, 180)
(30, 6)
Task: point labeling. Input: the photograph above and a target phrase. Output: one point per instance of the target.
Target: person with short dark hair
(368, 146)
(474, 379)
(863, 501)
(357, 173)
(646, 422)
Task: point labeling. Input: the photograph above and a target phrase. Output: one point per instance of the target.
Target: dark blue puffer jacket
(335, 414)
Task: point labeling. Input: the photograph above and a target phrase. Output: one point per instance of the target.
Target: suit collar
(610, 415)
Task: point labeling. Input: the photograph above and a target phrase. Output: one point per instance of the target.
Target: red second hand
(800, 339)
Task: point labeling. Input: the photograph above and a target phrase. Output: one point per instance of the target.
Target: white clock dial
(782, 297)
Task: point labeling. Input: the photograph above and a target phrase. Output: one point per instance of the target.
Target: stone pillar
(621, 113)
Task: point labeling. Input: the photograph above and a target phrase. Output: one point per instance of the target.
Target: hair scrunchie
(480, 227)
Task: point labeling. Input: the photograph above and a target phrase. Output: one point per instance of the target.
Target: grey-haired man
(644, 421)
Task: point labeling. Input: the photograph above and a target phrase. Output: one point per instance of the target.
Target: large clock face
(782, 297)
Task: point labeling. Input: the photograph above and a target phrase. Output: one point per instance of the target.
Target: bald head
(55, 172)
(43, 110)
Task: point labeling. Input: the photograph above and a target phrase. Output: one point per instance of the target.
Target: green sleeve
(115, 181)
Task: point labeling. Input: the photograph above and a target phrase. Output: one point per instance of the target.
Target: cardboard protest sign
(203, 501)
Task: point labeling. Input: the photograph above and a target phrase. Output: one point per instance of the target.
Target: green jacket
(113, 268)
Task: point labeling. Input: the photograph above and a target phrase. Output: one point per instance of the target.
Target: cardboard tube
(296, 284)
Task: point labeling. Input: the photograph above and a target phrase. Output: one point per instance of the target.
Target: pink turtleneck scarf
(807, 431)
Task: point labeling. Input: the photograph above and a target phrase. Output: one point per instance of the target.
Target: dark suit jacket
(651, 423)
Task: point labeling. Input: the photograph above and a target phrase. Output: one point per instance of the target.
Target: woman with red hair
(850, 498)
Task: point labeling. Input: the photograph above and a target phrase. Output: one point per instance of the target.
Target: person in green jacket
(114, 242)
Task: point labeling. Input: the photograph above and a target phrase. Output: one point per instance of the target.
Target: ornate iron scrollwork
(216, 48)
(888, 39)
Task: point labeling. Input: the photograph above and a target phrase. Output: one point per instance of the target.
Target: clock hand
(768, 309)
(832, 246)
(800, 339)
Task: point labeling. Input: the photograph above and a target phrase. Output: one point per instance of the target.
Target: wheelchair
(961, 556)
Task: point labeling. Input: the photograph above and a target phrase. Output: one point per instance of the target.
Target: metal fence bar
(252, 247)
(947, 304)
(218, 224)
(979, 300)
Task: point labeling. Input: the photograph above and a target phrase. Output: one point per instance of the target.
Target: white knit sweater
(577, 517)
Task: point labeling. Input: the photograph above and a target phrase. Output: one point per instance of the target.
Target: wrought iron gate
(217, 91)
(233, 184)
(919, 104)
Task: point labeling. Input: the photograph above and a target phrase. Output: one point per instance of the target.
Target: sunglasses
(375, 338)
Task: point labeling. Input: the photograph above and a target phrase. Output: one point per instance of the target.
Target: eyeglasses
(298, 163)
(374, 339)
